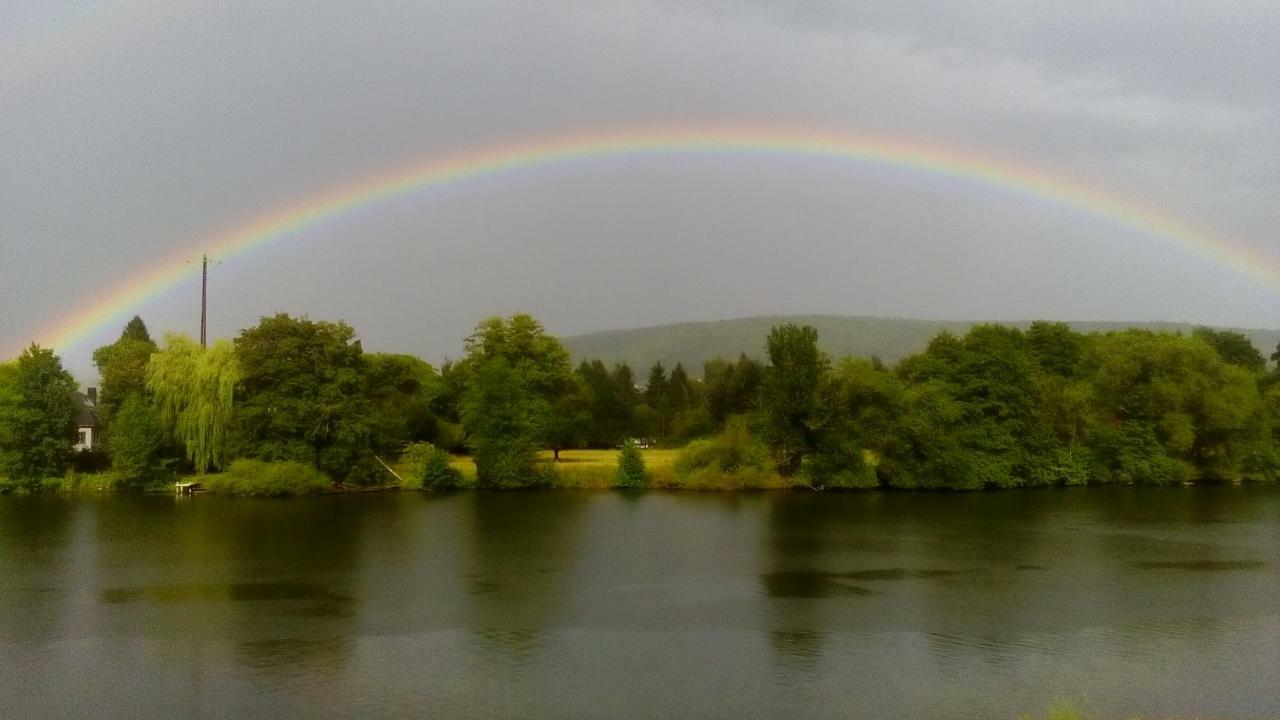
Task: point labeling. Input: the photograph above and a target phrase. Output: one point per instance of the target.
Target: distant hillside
(888, 338)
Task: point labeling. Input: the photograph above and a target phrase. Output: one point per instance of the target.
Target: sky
(132, 130)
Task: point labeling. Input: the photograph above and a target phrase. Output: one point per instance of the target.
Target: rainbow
(875, 150)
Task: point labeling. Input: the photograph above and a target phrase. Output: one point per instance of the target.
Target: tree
(539, 358)
(506, 420)
(135, 329)
(1202, 412)
(656, 399)
(304, 400)
(788, 397)
(194, 390)
(570, 422)
(1056, 347)
(137, 442)
(37, 417)
(857, 403)
(1235, 348)
(631, 471)
(400, 390)
(731, 389)
(122, 367)
(612, 399)
(539, 361)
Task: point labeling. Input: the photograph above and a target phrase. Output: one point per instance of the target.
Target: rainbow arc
(293, 219)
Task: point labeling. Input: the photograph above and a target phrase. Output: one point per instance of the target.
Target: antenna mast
(204, 296)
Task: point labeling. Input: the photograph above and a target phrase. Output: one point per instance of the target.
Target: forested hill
(887, 338)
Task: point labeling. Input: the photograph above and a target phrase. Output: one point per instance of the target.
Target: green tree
(856, 406)
(135, 329)
(400, 390)
(1235, 348)
(631, 471)
(429, 468)
(37, 417)
(137, 443)
(570, 422)
(539, 358)
(1055, 347)
(506, 420)
(789, 393)
(194, 390)
(122, 366)
(657, 402)
(1203, 412)
(612, 397)
(304, 399)
(731, 388)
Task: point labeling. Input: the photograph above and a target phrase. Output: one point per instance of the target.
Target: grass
(598, 470)
(253, 477)
(577, 469)
(590, 469)
(72, 482)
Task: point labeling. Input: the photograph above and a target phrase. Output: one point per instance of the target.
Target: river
(1128, 601)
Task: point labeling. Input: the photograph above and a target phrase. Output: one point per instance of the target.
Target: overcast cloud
(129, 129)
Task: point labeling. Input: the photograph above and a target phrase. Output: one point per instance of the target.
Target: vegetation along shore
(296, 406)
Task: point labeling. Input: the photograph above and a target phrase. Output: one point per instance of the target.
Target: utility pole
(204, 296)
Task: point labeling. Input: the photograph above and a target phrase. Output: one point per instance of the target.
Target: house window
(84, 438)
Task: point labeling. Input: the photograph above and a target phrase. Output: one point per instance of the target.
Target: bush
(631, 472)
(255, 477)
(450, 438)
(136, 443)
(509, 465)
(580, 476)
(368, 472)
(839, 463)
(427, 467)
(1133, 454)
(733, 460)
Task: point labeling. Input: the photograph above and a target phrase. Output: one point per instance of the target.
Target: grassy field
(593, 468)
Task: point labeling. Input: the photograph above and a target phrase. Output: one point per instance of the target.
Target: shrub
(255, 477)
(429, 468)
(450, 438)
(368, 472)
(1133, 454)
(136, 443)
(840, 463)
(507, 465)
(631, 473)
(579, 476)
(732, 460)
(77, 482)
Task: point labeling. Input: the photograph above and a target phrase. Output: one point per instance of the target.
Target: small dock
(187, 488)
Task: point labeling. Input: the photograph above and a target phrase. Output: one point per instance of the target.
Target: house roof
(86, 412)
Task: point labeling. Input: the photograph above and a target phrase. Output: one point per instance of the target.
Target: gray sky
(129, 128)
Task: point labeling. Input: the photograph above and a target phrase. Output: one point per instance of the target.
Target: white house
(87, 420)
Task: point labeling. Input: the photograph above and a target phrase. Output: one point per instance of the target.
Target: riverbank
(574, 470)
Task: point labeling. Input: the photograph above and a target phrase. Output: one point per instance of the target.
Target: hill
(890, 339)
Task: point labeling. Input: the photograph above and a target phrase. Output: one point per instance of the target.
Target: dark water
(1151, 602)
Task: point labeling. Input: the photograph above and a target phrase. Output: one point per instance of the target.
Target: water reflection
(35, 565)
(1200, 565)
(858, 605)
(519, 549)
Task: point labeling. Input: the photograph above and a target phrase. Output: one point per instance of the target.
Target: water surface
(1152, 602)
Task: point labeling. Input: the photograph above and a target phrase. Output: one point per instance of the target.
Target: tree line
(997, 407)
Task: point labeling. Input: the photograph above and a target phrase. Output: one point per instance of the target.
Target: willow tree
(194, 390)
